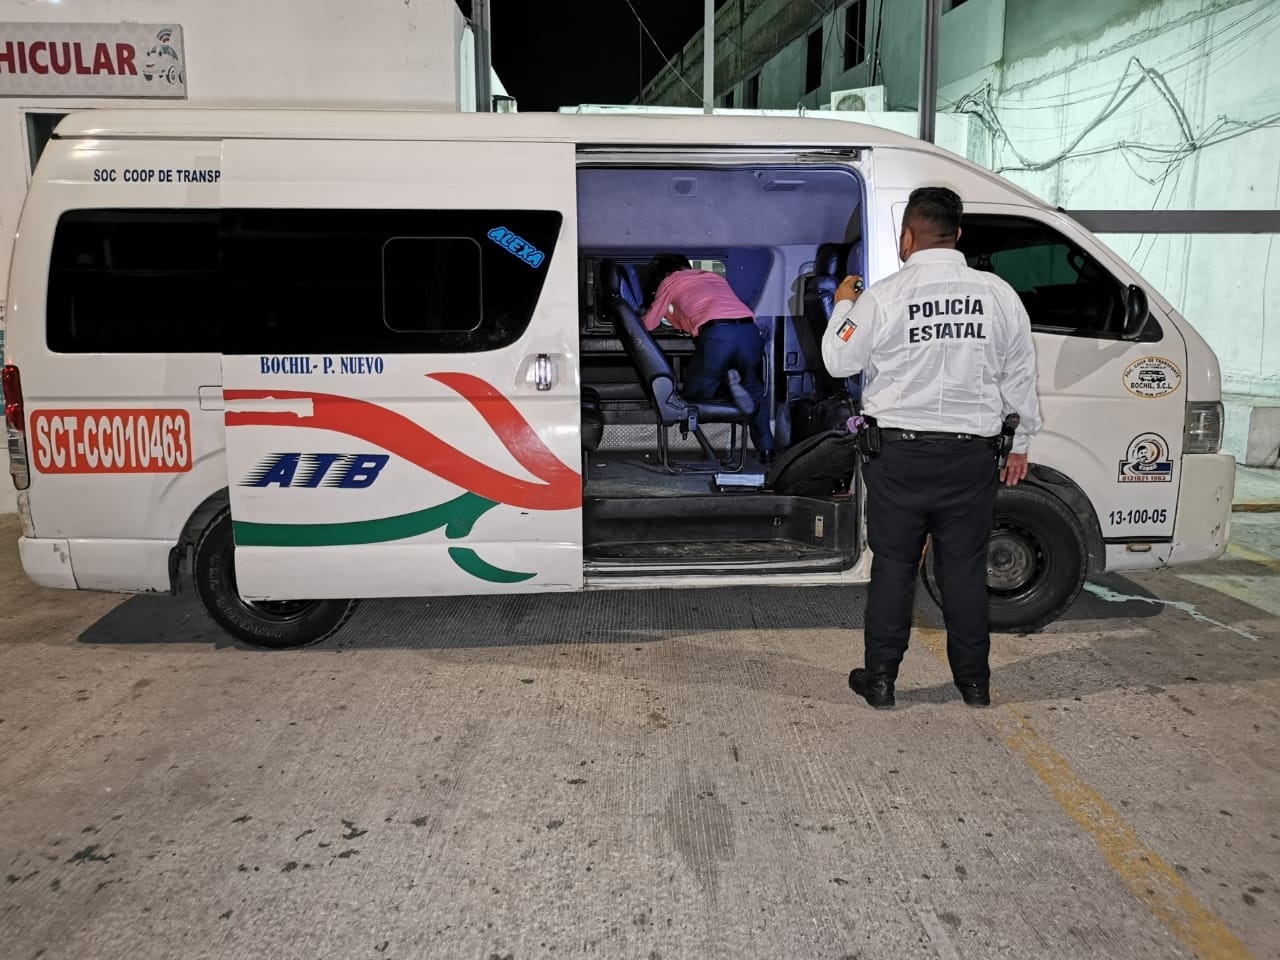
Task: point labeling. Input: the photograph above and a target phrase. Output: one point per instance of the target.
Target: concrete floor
(647, 775)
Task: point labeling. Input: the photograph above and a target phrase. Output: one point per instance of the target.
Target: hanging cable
(1169, 158)
(640, 21)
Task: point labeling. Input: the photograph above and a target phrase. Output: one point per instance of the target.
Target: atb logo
(346, 471)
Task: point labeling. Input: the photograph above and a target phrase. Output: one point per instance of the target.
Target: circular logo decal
(1147, 460)
(1152, 377)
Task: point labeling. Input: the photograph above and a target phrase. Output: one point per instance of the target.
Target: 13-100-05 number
(1122, 517)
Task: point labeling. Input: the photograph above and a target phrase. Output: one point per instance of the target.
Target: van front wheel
(272, 623)
(1036, 561)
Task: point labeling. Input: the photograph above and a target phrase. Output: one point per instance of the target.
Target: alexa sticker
(1152, 377)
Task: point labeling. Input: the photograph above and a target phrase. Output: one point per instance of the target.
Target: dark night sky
(586, 51)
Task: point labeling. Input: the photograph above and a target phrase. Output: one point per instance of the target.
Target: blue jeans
(719, 348)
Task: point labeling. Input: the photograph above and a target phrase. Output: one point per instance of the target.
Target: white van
(314, 356)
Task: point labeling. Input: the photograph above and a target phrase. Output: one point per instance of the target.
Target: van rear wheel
(1036, 561)
(272, 623)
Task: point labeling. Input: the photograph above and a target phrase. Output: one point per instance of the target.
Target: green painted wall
(1033, 25)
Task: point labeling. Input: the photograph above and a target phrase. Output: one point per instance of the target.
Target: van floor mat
(618, 474)
(818, 466)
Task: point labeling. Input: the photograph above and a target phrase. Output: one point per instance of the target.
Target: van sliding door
(399, 368)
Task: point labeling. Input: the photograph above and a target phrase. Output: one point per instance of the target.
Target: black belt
(893, 433)
(711, 323)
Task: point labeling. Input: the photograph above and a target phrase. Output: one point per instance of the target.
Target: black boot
(976, 693)
(874, 686)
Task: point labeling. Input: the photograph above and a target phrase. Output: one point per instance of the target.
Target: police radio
(866, 434)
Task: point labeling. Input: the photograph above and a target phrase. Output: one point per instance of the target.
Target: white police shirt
(944, 347)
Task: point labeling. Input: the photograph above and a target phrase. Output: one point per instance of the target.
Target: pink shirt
(690, 298)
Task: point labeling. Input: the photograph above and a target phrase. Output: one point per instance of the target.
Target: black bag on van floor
(820, 466)
(810, 418)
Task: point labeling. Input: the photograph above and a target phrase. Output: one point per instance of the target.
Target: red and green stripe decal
(557, 488)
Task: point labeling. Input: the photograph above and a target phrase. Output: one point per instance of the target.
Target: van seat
(658, 378)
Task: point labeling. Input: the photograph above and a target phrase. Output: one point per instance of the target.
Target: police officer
(947, 356)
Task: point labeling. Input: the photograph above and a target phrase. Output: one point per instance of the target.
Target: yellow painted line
(1146, 875)
(1256, 506)
(1253, 556)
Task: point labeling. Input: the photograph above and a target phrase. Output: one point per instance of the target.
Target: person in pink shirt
(703, 305)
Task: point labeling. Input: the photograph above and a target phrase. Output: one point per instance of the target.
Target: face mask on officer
(906, 243)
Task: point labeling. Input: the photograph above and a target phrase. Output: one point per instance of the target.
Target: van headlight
(1203, 430)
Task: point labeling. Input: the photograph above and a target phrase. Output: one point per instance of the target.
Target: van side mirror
(1136, 313)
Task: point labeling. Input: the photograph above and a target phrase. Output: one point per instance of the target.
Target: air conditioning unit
(859, 99)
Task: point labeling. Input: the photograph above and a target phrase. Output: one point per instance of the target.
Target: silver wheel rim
(1013, 560)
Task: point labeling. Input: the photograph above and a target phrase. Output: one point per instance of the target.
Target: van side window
(271, 281)
(1065, 290)
(134, 281)
(431, 284)
(382, 281)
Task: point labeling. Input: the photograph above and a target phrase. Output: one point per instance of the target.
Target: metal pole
(640, 58)
(929, 69)
(708, 55)
(484, 61)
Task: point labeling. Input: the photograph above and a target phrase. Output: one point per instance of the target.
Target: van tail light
(15, 428)
(1202, 430)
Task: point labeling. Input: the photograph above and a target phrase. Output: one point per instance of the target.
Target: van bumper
(117, 566)
(1203, 524)
(47, 562)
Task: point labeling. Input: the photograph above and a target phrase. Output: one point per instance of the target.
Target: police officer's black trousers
(944, 488)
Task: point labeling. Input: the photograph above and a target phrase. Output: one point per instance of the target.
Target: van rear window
(134, 281)
(250, 281)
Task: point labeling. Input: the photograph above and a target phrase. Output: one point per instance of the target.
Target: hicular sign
(92, 59)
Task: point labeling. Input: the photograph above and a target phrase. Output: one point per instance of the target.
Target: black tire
(274, 624)
(1036, 561)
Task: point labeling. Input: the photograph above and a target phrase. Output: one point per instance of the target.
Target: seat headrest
(631, 290)
(831, 259)
(613, 279)
(621, 280)
(853, 261)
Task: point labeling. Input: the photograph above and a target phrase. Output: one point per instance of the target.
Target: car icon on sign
(162, 61)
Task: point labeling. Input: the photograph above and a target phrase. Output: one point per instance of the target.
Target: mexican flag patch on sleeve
(846, 330)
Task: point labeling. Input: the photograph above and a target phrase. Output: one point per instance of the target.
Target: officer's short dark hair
(662, 266)
(938, 207)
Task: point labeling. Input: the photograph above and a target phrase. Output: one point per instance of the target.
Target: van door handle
(543, 371)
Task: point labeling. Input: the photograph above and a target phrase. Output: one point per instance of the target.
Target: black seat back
(834, 399)
(656, 373)
(830, 265)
